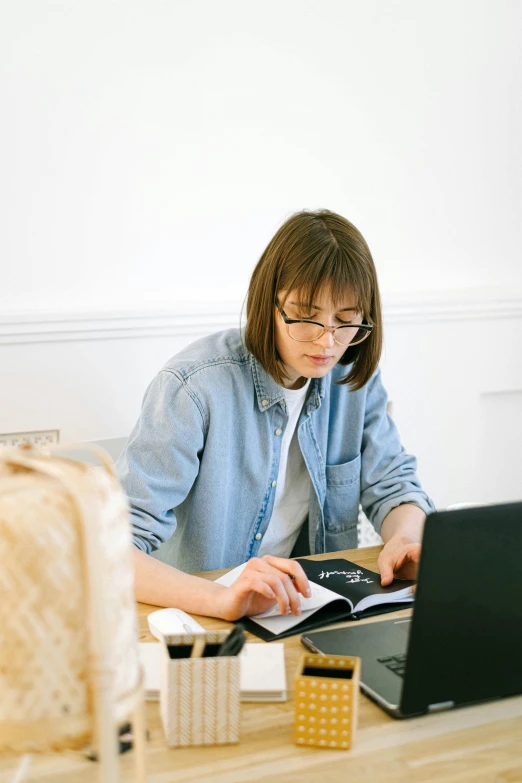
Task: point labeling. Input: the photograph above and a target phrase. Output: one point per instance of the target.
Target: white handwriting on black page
(356, 576)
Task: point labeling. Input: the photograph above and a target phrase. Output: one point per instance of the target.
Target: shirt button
(274, 483)
(258, 536)
(278, 432)
(264, 403)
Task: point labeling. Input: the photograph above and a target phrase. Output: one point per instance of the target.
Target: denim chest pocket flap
(343, 489)
(345, 474)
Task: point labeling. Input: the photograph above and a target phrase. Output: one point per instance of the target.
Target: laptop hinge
(441, 705)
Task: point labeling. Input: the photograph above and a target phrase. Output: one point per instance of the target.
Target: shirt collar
(269, 392)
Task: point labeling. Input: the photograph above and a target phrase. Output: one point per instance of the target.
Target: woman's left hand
(399, 559)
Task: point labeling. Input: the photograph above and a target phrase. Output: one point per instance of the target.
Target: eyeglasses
(308, 331)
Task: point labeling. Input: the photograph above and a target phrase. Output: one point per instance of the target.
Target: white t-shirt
(293, 485)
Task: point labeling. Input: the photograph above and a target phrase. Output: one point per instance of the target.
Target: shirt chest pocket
(343, 489)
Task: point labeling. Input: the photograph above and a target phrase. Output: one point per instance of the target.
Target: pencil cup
(326, 700)
(199, 696)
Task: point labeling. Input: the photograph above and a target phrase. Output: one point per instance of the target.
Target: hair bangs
(332, 272)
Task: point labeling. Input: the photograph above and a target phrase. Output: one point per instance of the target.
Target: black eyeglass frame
(368, 328)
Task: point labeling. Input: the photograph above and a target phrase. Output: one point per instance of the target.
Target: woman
(258, 446)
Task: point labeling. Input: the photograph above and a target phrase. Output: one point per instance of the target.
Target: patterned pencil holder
(199, 697)
(326, 700)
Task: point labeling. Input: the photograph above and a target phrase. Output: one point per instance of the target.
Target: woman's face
(316, 358)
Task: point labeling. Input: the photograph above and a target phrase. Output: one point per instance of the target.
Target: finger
(400, 561)
(252, 577)
(283, 587)
(259, 585)
(386, 567)
(293, 596)
(280, 593)
(294, 571)
(408, 563)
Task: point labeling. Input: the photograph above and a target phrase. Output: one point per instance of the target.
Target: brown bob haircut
(311, 252)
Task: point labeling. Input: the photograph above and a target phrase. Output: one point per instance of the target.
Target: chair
(113, 446)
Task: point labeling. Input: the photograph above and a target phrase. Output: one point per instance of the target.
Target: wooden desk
(481, 744)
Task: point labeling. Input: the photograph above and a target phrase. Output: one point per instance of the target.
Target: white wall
(148, 151)
(149, 146)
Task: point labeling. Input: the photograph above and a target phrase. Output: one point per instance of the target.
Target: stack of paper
(150, 659)
(263, 676)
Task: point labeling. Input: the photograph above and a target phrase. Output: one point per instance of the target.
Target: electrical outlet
(40, 439)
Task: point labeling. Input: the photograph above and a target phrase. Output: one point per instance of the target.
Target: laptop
(463, 643)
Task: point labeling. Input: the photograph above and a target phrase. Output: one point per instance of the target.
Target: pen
(198, 647)
(234, 641)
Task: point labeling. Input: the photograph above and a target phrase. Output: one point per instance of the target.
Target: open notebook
(341, 590)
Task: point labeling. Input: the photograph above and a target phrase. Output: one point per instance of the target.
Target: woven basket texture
(199, 697)
(46, 655)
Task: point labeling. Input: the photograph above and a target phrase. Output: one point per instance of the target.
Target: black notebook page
(350, 580)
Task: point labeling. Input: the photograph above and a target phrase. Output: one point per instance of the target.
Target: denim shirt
(200, 466)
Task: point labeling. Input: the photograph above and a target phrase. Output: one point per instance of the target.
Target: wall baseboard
(100, 325)
(194, 318)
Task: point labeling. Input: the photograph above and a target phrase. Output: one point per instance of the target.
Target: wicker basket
(69, 667)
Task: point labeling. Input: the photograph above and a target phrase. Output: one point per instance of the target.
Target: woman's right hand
(264, 582)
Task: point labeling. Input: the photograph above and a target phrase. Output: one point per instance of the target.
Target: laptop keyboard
(395, 663)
